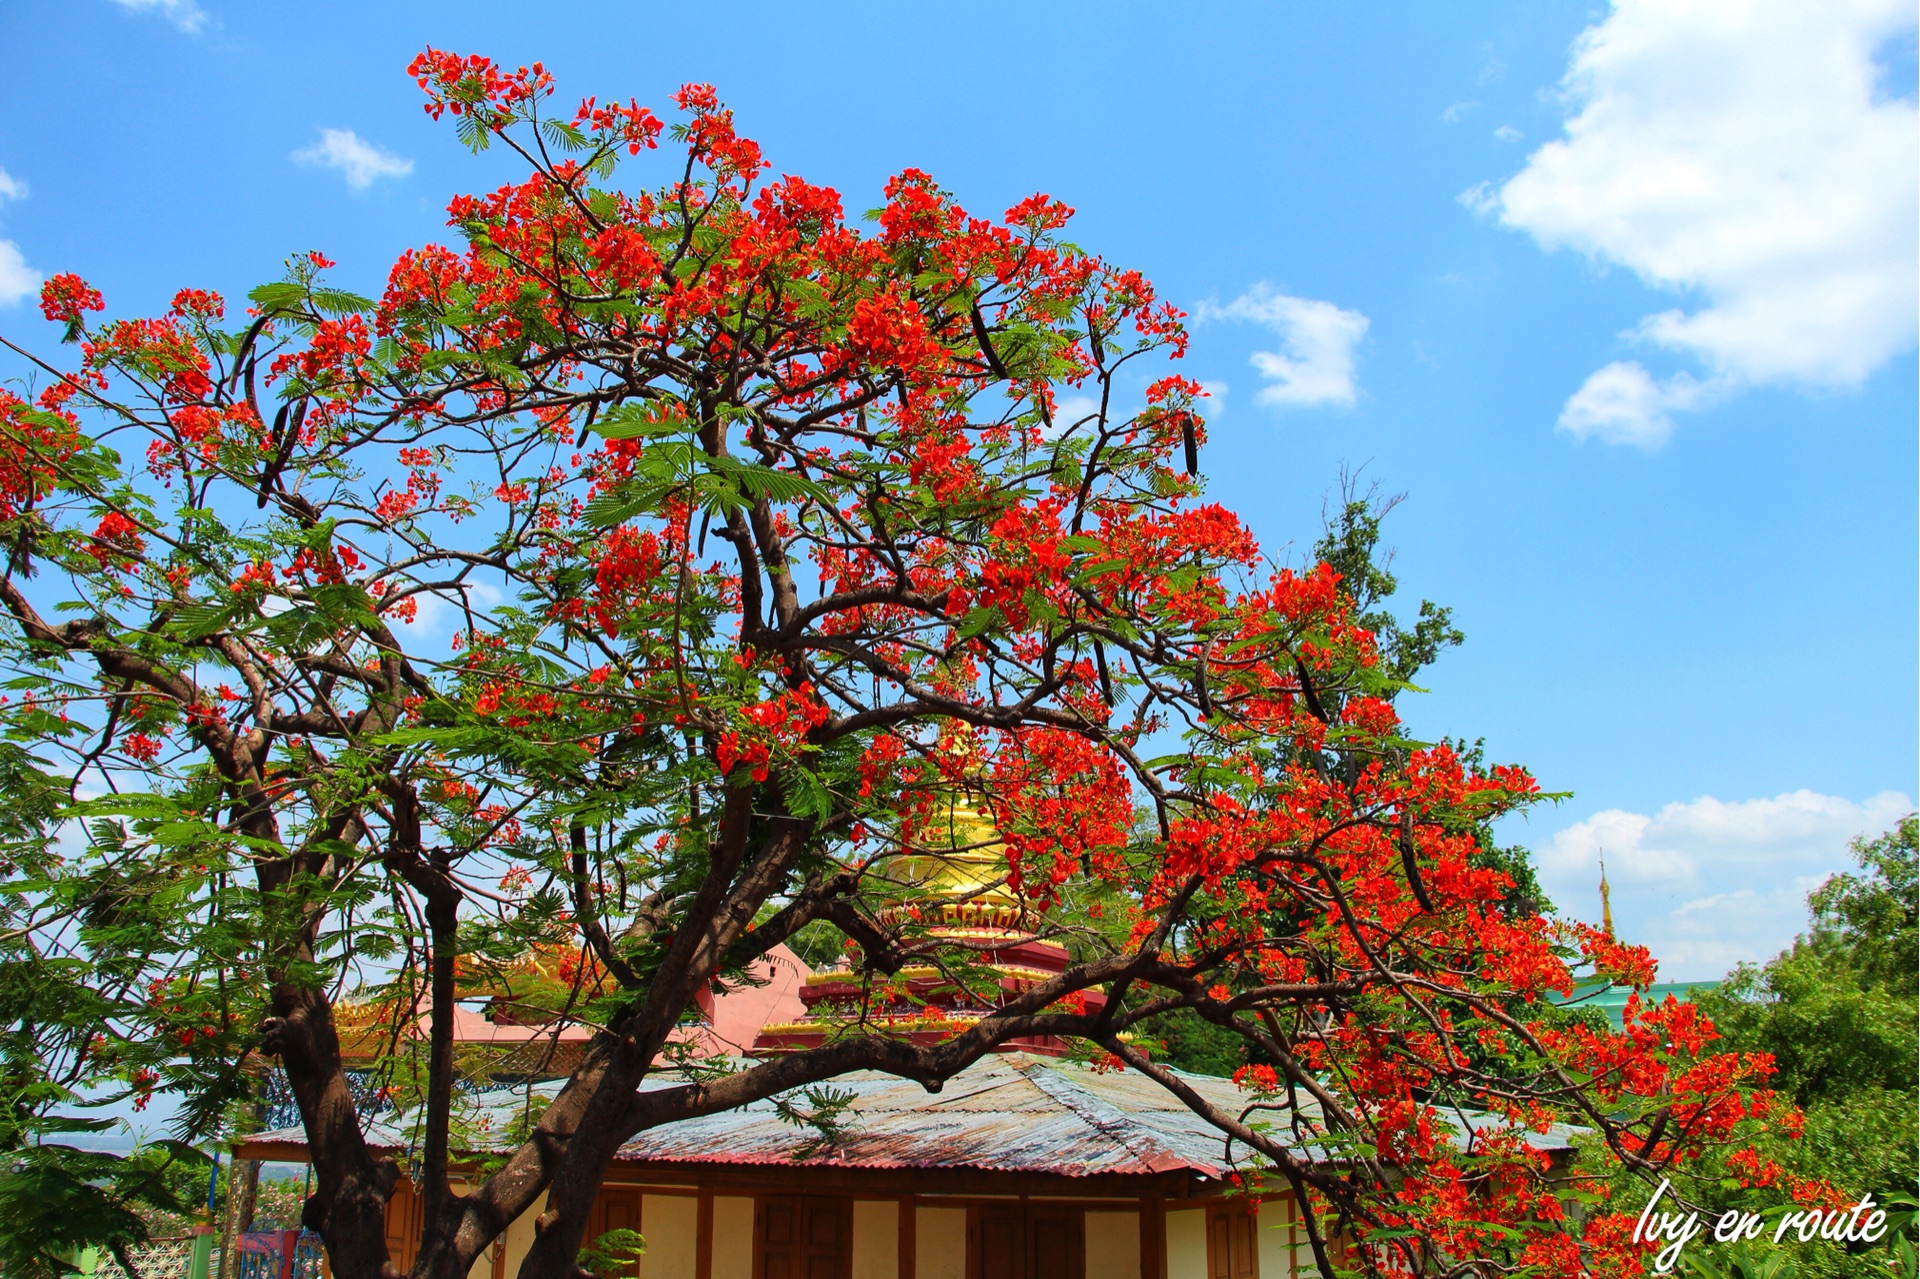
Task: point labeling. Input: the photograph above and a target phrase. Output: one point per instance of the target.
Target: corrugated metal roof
(1010, 1113)
(1007, 1113)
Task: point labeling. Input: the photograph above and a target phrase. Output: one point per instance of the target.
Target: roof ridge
(1103, 1115)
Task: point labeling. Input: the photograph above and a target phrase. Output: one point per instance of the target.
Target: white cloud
(1708, 883)
(1214, 406)
(184, 14)
(1071, 411)
(1481, 197)
(1622, 404)
(17, 279)
(1317, 339)
(360, 160)
(1507, 133)
(442, 611)
(1458, 112)
(1739, 153)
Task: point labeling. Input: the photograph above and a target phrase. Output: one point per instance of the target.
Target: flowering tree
(642, 580)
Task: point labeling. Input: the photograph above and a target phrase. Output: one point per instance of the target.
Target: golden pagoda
(953, 885)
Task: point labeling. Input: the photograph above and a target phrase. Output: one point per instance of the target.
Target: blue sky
(1621, 298)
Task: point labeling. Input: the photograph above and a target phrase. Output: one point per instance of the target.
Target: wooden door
(1027, 1241)
(1230, 1242)
(805, 1237)
(999, 1243)
(403, 1225)
(615, 1208)
(1056, 1243)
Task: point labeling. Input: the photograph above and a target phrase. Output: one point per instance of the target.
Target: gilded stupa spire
(952, 877)
(957, 857)
(1606, 899)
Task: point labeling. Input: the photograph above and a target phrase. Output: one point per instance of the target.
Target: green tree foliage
(1350, 542)
(56, 1198)
(1837, 1010)
(1837, 1013)
(1186, 1041)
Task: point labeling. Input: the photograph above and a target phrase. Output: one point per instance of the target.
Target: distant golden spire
(1606, 902)
(958, 856)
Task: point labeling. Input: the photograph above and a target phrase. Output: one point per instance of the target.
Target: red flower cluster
(116, 542)
(711, 137)
(632, 124)
(1064, 808)
(63, 297)
(39, 443)
(889, 331)
(198, 304)
(475, 84)
(777, 724)
(336, 350)
(160, 351)
(630, 565)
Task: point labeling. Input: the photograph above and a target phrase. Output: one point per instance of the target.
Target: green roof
(1612, 999)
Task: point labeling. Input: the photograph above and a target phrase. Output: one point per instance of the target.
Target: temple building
(1023, 1166)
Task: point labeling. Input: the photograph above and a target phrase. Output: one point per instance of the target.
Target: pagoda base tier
(776, 1041)
(922, 1004)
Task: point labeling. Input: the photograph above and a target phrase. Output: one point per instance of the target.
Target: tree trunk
(246, 1175)
(243, 1192)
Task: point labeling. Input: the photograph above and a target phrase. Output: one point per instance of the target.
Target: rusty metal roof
(1011, 1113)
(1006, 1113)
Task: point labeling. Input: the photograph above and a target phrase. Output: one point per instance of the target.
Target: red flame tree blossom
(637, 578)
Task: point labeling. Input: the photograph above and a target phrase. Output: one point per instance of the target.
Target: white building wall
(876, 1239)
(940, 1243)
(1113, 1245)
(671, 1226)
(732, 1237)
(1283, 1246)
(1187, 1244)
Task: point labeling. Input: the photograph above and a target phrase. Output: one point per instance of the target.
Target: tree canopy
(1836, 1013)
(644, 579)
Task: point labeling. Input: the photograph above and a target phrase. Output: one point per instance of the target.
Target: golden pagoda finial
(961, 745)
(956, 855)
(1606, 901)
